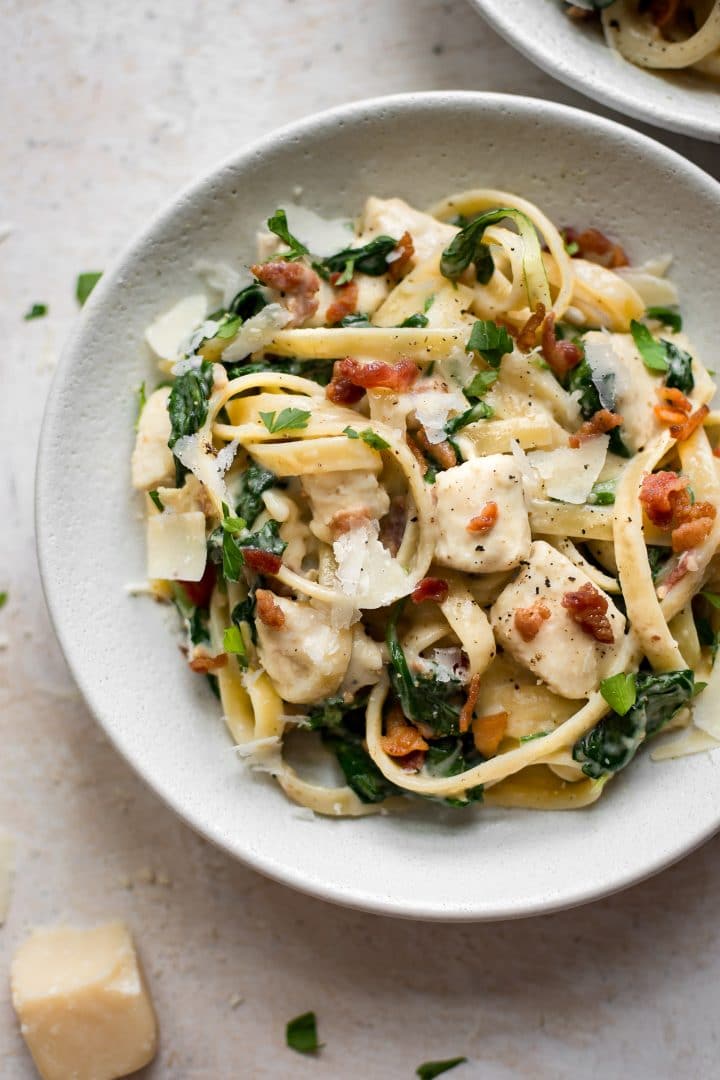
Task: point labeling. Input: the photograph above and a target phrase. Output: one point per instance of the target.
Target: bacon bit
(528, 331)
(683, 431)
(561, 356)
(587, 607)
(412, 763)
(466, 713)
(671, 417)
(344, 521)
(376, 373)
(670, 395)
(340, 390)
(441, 452)
(416, 453)
(344, 303)
(268, 610)
(392, 526)
(484, 521)
(397, 268)
(401, 737)
(199, 592)
(659, 495)
(716, 452)
(599, 424)
(430, 588)
(663, 12)
(579, 14)
(692, 533)
(298, 283)
(528, 620)
(203, 663)
(488, 732)
(596, 247)
(263, 562)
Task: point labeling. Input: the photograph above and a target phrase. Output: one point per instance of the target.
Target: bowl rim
(53, 587)
(607, 93)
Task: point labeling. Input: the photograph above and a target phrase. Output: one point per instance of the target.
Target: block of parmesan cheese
(83, 1005)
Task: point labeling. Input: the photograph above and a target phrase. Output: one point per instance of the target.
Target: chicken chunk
(366, 661)
(354, 491)
(561, 653)
(152, 461)
(462, 494)
(306, 657)
(393, 217)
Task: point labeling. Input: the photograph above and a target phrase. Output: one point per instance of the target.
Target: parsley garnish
(368, 436)
(429, 303)
(3, 599)
(301, 1034)
(430, 1069)
(664, 356)
(233, 643)
(620, 692)
(480, 384)
(85, 284)
(288, 419)
(187, 404)
(36, 312)
(278, 224)
(490, 340)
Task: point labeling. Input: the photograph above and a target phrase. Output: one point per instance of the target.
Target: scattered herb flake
(286, 420)
(37, 311)
(156, 499)
(278, 225)
(651, 351)
(667, 316)
(233, 643)
(620, 692)
(430, 1069)
(301, 1034)
(490, 340)
(3, 599)
(368, 436)
(535, 735)
(85, 284)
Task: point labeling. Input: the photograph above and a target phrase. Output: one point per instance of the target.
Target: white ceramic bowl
(576, 53)
(434, 863)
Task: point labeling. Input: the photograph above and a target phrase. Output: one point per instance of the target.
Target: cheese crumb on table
(83, 1005)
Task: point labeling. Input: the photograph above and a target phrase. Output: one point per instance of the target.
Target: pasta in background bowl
(164, 718)
(659, 63)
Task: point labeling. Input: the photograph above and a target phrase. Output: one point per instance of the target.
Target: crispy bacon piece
(483, 522)
(344, 521)
(296, 282)
(416, 452)
(683, 431)
(392, 526)
(430, 588)
(268, 610)
(204, 664)
(344, 303)
(528, 620)
(340, 390)
(587, 607)
(398, 267)
(596, 247)
(401, 737)
(528, 331)
(263, 562)
(199, 592)
(441, 452)
(674, 407)
(466, 713)
(659, 497)
(488, 732)
(599, 424)
(580, 14)
(716, 451)
(693, 532)
(561, 356)
(663, 12)
(377, 374)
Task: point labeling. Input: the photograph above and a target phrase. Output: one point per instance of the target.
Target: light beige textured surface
(107, 110)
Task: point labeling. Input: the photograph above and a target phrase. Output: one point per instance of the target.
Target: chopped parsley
(37, 311)
(663, 356)
(430, 1069)
(3, 599)
(187, 404)
(620, 692)
(301, 1034)
(287, 420)
(368, 436)
(85, 284)
(480, 384)
(278, 225)
(490, 340)
(233, 643)
(265, 539)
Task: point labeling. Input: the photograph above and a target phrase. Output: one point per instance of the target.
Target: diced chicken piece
(152, 461)
(393, 217)
(634, 386)
(366, 661)
(567, 658)
(306, 657)
(462, 493)
(333, 492)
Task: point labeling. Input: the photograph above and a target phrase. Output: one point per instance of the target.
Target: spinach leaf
(663, 356)
(356, 318)
(156, 500)
(248, 302)
(667, 316)
(479, 411)
(301, 1034)
(187, 404)
(613, 742)
(360, 771)
(596, 393)
(450, 757)
(679, 368)
(418, 319)
(244, 612)
(370, 259)
(318, 370)
(266, 539)
(424, 699)
(467, 247)
(278, 225)
(490, 340)
(333, 712)
(255, 480)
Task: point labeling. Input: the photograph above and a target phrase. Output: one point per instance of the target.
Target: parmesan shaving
(257, 332)
(568, 474)
(166, 335)
(366, 571)
(691, 741)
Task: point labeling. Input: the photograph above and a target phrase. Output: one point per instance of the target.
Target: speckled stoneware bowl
(576, 53)
(436, 862)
